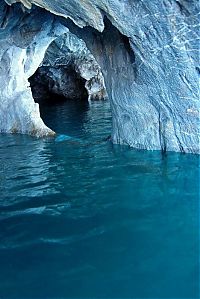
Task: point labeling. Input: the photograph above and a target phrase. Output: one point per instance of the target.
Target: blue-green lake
(83, 218)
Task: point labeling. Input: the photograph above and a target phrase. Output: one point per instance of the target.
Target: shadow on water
(67, 115)
(100, 221)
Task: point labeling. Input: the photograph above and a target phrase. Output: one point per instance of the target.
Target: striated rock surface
(148, 53)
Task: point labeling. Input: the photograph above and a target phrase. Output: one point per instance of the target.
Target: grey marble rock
(148, 53)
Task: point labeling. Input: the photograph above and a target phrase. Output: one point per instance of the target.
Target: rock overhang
(84, 13)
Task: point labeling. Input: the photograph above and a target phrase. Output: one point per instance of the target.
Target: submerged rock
(61, 138)
(148, 53)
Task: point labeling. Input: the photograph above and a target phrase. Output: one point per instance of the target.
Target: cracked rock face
(147, 51)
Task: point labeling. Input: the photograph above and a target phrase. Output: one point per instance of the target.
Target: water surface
(86, 219)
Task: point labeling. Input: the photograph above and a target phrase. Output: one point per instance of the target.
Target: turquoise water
(82, 218)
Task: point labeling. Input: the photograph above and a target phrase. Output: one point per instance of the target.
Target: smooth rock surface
(148, 52)
(24, 39)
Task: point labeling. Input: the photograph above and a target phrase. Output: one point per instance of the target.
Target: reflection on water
(93, 220)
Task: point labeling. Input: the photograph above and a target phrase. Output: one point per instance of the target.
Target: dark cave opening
(54, 85)
(65, 83)
(59, 80)
(61, 94)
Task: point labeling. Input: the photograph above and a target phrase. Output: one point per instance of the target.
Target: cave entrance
(62, 97)
(52, 85)
(68, 72)
(66, 81)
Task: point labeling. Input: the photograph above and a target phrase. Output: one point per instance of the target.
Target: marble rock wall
(148, 53)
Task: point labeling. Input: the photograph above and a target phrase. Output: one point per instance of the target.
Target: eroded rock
(24, 38)
(148, 53)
